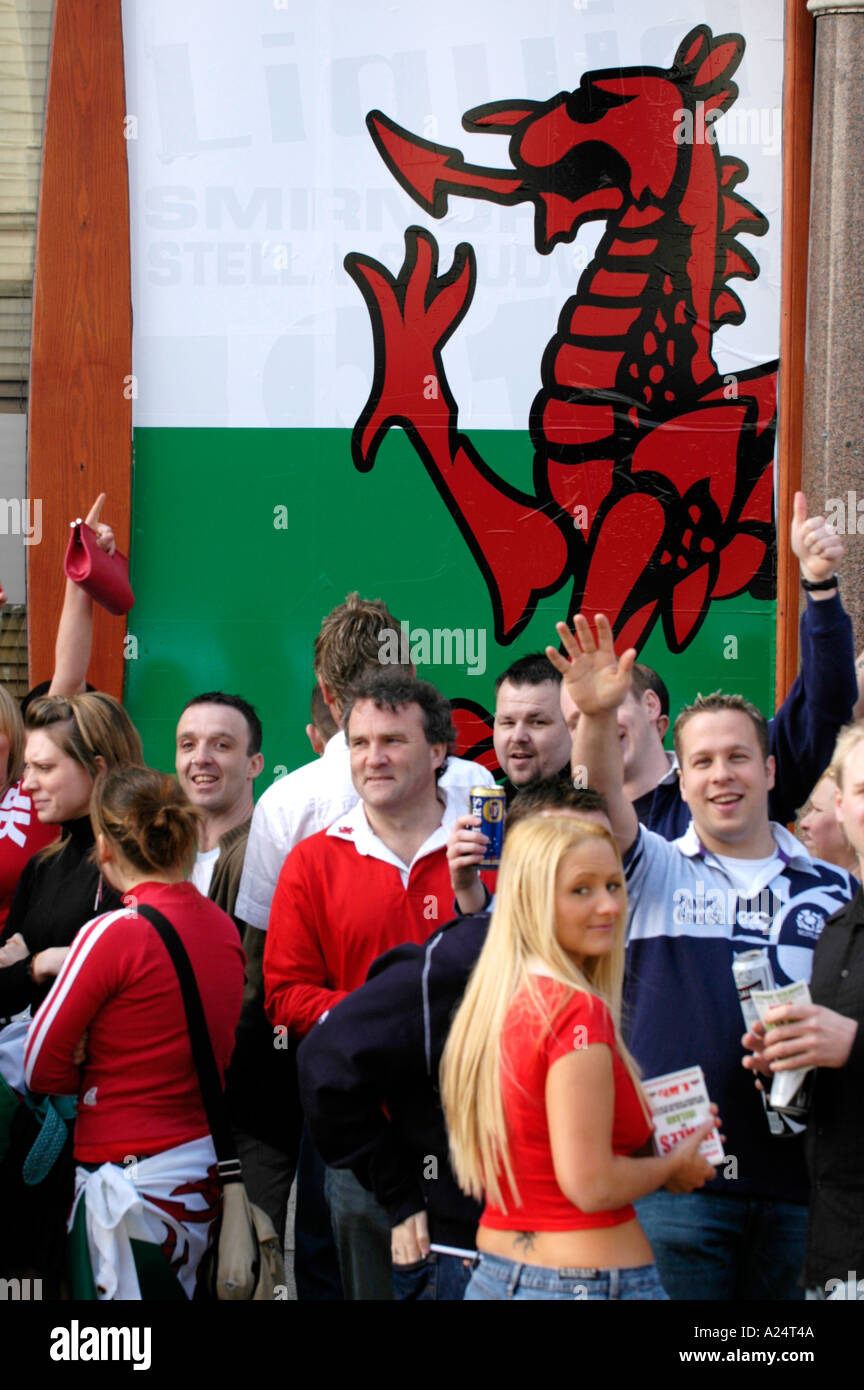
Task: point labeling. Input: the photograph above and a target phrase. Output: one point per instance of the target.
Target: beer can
(489, 803)
(752, 970)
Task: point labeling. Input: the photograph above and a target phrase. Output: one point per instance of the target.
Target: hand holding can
(489, 803)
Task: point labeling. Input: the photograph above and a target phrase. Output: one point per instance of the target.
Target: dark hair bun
(146, 814)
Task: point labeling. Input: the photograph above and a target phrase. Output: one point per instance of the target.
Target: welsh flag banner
(471, 307)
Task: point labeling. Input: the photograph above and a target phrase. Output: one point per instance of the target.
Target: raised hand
(413, 314)
(595, 678)
(104, 534)
(817, 546)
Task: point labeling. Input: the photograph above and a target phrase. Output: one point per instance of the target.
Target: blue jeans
(362, 1234)
(437, 1279)
(316, 1265)
(709, 1246)
(496, 1278)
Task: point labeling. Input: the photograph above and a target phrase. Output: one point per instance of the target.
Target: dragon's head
(622, 138)
(619, 139)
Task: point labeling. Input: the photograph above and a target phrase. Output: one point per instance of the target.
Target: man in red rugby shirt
(374, 879)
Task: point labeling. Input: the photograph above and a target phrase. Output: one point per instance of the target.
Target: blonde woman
(543, 1105)
(819, 828)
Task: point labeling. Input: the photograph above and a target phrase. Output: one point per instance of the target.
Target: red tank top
(530, 1044)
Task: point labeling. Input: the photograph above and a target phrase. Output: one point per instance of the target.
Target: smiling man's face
(530, 736)
(213, 764)
(725, 780)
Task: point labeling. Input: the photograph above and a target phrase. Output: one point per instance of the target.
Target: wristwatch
(814, 586)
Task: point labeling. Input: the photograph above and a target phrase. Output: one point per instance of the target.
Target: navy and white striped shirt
(687, 923)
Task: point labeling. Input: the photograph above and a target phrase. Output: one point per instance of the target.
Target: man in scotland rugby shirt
(734, 882)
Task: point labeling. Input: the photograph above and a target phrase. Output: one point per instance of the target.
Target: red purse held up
(104, 577)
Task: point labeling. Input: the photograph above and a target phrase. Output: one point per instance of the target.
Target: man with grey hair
(377, 877)
(294, 807)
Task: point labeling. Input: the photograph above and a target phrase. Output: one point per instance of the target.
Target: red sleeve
(296, 991)
(583, 1020)
(89, 976)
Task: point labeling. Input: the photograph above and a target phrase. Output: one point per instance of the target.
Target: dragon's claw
(413, 313)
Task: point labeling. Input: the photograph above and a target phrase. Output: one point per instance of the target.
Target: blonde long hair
(847, 741)
(521, 933)
(12, 725)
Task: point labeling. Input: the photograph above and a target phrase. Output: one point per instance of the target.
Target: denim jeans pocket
(411, 1282)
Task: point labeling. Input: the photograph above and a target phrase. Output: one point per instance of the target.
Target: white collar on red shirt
(355, 827)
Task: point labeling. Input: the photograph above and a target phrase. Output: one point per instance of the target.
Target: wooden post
(797, 125)
(80, 420)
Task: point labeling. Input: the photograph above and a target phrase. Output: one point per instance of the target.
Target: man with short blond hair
(803, 730)
(734, 882)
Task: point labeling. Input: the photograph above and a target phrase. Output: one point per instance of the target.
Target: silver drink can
(751, 970)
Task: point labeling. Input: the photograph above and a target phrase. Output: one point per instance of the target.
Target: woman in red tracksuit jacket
(113, 1032)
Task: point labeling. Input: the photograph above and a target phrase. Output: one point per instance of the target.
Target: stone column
(833, 434)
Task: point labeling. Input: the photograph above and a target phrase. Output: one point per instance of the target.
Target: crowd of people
(446, 1056)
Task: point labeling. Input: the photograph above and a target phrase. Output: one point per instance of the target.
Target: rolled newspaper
(785, 1083)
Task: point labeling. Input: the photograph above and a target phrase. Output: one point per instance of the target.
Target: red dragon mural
(653, 473)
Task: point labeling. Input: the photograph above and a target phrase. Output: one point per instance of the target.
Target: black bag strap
(202, 1048)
